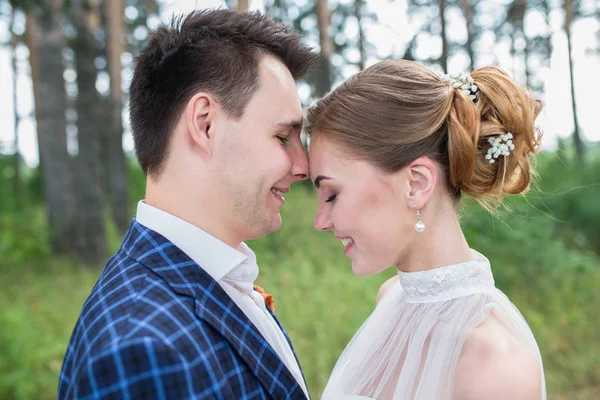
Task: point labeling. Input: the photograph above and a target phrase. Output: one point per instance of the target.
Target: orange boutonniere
(268, 298)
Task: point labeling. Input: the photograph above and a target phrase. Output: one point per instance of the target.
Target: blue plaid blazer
(157, 326)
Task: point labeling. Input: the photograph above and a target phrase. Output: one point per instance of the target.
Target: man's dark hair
(217, 51)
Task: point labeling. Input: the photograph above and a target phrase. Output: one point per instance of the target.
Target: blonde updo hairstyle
(397, 111)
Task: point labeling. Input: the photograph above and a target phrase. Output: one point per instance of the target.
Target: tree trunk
(116, 167)
(242, 5)
(323, 73)
(513, 54)
(519, 22)
(14, 41)
(358, 5)
(44, 37)
(444, 57)
(526, 61)
(579, 147)
(91, 241)
(468, 12)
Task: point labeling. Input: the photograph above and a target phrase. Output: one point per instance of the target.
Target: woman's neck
(442, 243)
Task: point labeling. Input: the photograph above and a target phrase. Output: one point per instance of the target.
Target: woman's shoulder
(386, 286)
(495, 365)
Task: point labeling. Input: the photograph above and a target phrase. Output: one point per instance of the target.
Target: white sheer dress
(409, 347)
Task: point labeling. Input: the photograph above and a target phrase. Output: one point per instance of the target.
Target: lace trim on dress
(448, 282)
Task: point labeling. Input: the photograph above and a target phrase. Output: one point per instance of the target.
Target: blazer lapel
(288, 340)
(214, 306)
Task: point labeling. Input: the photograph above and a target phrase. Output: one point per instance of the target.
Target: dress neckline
(448, 282)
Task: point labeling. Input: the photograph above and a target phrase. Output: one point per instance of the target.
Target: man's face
(260, 155)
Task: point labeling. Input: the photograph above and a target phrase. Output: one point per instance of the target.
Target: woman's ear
(422, 176)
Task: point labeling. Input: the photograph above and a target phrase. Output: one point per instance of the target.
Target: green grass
(38, 308)
(321, 303)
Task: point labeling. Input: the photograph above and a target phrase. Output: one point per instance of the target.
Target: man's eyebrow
(318, 180)
(291, 125)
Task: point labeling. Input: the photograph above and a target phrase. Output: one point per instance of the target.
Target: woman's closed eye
(331, 198)
(283, 139)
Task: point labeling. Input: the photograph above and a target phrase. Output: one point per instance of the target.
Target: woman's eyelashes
(331, 198)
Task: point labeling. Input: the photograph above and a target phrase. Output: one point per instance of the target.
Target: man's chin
(276, 223)
(271, 225)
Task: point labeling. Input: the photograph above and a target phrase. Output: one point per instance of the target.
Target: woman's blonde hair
(397, 111)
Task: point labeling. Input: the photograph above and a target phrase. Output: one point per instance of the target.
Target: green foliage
(554, 286)
(543, 252)
(39, 304)
(572, 197)
(23, 234)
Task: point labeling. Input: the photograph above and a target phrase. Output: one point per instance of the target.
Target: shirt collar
(217, 258)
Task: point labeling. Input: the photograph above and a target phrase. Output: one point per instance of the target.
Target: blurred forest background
(63, 210)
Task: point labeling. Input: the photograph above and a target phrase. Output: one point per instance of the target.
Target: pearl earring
(419, 226)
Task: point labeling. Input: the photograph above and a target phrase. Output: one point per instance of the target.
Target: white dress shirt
(234, 270)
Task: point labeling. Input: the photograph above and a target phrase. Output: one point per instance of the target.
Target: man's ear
(199, 118)
(422, 177)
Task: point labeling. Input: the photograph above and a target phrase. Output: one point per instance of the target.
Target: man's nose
(299, 163)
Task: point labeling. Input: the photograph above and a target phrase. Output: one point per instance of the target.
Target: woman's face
(365, 207)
